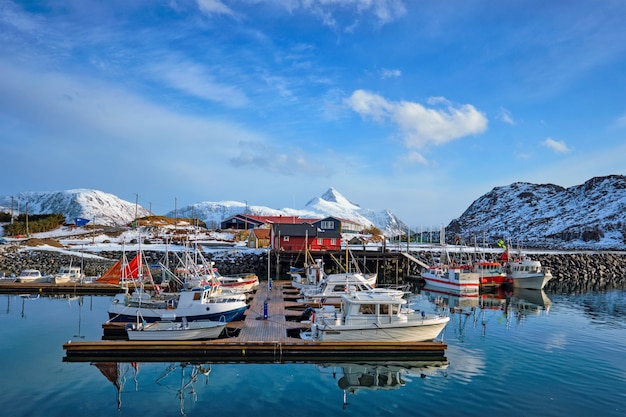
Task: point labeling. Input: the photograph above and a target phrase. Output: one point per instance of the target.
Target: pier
(268, 333)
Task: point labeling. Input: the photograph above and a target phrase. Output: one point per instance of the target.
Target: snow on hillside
(97, 206)
(331, 203)
(591, 215)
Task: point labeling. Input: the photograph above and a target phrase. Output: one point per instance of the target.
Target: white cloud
(384, 11)
(556, 146)
(196, 80)
(419, 125)
(505, 116)
(390, 73)
(214, 7)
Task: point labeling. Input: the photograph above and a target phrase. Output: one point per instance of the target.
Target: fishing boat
(459, 278)
(331, 289)
(490, 273)
(199, 303)
(67, 274)
(168, 330)
(528, 273)
(367, 316)
(32, 275)
(450, 274)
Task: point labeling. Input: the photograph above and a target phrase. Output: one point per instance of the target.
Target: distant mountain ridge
(96, 206)
(588, 216)
(591, 215)
(331, 203)
(104, 208)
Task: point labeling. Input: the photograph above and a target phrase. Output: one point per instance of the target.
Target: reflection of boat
(374, 316)
(116, 373)
(525, 301)
(167, 330)
(454, 300)
(381, 375)
(32, 275)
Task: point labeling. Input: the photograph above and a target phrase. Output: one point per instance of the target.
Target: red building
(296, 237)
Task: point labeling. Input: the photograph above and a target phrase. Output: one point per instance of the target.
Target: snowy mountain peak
(332, 199)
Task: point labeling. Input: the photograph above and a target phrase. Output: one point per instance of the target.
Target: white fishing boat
(368, 316)
(451, 274)
(32, 275)
(243, 283)
(168, 330)
(528, 273)
(67, 274)
(334, 286)
(457, 278)
(200, 303)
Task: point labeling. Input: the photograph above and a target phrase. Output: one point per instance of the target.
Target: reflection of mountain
(381, 375)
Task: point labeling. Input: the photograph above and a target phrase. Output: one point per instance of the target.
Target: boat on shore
(168, 330)
(368, 316)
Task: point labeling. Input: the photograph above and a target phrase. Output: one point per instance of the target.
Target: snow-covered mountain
(97, 206)
(331, 203)
(591, 215)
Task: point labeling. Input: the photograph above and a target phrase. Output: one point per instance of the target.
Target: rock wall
(573, 272)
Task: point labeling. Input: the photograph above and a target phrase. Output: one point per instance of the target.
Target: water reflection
(500, 304)
(380, 375)
(178, 377)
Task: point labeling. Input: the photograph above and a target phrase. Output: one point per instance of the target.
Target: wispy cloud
(505, 116)
(420, 125)
(196, 80)
(215, 7)
(556, 146)
(390, 73)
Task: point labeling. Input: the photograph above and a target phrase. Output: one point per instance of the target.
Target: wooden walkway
(260, 337)
(281, 303)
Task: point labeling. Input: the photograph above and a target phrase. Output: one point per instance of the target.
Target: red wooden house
(297, 237)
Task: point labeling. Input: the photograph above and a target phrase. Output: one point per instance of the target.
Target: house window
(333, 242)
(320, 241)
(328, 225)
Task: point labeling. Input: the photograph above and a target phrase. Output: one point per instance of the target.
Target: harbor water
(521, 354)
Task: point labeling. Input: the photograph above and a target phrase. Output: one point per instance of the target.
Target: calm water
(565, 358)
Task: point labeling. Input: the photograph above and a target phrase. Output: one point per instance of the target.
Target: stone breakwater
(14, 259)
(573, 272)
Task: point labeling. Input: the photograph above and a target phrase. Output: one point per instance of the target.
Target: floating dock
(268, 333)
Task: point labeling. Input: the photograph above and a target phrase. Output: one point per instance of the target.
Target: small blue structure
(80, 221)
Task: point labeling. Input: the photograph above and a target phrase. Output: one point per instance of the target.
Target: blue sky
(418, 107)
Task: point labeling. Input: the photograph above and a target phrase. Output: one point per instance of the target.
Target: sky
(416, 107)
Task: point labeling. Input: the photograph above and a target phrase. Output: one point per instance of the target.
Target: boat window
(384, 309)
(197, 295)
(367, 309)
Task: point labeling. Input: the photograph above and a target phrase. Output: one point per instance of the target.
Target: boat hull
(129, 314)
(195, 330)
(534, 282)
(413, 331)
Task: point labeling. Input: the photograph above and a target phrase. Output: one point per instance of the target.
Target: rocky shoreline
(573, 272)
